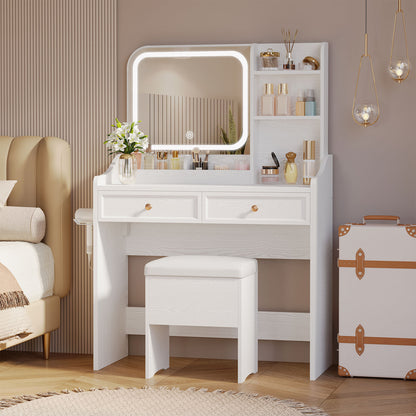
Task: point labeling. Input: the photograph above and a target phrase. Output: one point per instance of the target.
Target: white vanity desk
(216, 213)
(214, 220)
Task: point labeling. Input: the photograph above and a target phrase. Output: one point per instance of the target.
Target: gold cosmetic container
(269, 174)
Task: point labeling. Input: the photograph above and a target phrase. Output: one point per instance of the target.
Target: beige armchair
(42, 168)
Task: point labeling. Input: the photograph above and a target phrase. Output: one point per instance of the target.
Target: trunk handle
(381, 218)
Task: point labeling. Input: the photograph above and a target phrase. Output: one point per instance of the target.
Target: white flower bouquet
(127, 138)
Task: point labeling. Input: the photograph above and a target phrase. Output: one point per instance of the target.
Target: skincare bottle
(300, 104)
(162, 160)
(291, 170)
(310, 104)
(175, 162)
(149, 160)
(283, 100)
(308, 161)
(268, 101)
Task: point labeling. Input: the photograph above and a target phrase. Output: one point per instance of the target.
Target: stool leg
(247, 330)
(157, 349)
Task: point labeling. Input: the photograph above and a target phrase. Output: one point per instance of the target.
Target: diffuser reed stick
(289, 44)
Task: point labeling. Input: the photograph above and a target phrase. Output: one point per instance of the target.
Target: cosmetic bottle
(310, 104)
(162, 160)
(291, 170)
(283, 100)
(308, 161)
(268, 101)
(148, 160)
(300, 104)
(175, 162)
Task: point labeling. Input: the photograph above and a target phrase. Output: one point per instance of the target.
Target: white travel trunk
(377, 286)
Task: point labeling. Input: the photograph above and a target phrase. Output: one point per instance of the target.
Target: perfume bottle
(308, 161)
(162, 160)
(291, 170)
(175, 162)
(149, 160)
(300, 104)
(283, 100)
(310, 104)
(268, 101)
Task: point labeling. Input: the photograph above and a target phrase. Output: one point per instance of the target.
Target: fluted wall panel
(58, 78)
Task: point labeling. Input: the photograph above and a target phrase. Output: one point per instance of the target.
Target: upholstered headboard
(42, 168)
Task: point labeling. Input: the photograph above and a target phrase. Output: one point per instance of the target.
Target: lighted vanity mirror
(189, 97)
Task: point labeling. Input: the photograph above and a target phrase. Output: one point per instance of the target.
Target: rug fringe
(299, 406)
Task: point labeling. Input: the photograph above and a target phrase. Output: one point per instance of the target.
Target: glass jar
(269, 60)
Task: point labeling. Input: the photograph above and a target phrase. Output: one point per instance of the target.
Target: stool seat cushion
(202, 266)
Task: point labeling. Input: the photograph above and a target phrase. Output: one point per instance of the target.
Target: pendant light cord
(365, 32)
(365, 16)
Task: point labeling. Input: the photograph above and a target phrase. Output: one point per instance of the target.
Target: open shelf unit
(282, 134)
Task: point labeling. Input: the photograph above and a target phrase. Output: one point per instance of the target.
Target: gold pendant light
(365, 107)
(399, 66)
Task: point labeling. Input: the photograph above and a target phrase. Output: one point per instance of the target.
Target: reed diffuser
(289, 44)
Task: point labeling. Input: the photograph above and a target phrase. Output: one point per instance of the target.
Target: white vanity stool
(207, 291)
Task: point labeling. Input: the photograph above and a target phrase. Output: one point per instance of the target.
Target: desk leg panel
(110, 294)
(321, 271)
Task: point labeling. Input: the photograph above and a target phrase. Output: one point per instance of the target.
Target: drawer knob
(148, 207)
(254, 208)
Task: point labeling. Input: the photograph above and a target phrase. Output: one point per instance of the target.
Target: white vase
(127, 169)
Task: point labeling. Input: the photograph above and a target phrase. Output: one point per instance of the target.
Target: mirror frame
(198, 51)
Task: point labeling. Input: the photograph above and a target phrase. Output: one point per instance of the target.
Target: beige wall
(373, 168)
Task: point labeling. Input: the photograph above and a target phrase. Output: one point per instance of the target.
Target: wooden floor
(28, 373)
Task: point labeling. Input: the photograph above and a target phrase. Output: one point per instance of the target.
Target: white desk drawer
(174, 207)
(260, 208)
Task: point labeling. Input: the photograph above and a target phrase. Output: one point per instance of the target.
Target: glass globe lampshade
(399, 69)
(366, 114)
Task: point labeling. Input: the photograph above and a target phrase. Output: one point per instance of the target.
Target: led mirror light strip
(134, 63)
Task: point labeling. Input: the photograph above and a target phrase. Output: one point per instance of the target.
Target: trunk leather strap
(360, 264)
(360, 340)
